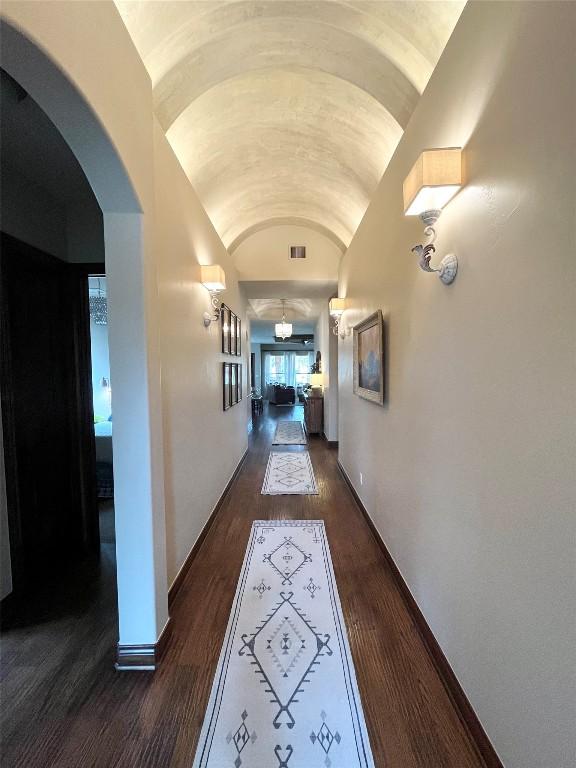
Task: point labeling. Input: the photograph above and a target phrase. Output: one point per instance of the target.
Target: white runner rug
(289, 433)
(289, 473)
(285, 693)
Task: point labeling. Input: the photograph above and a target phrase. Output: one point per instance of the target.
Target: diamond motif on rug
(325, 738)
(289, 473)
(285, 670)
(289, 433)
(240, 738)
(314, 646)
(286, 641)
(287, 559)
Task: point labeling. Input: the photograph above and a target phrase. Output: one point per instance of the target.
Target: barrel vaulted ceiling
(287, 110)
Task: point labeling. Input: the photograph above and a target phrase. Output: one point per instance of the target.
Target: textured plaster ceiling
(296, 309)
(290, 289)
(287, 109)
(264, 313)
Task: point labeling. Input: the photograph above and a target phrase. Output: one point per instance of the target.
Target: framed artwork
(369, 358)
(225, 317)
(238, 336)
(226, 376)
(234, 384)
(231, 384)
(231, 332)
(233, 329)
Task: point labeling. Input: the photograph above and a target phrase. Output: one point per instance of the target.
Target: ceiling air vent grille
(297, 251)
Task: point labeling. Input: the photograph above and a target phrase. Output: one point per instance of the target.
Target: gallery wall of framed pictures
(231, 384)
(231, 332)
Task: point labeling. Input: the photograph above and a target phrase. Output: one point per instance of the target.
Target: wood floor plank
(64, 705)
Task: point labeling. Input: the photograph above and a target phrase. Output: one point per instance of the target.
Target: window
(277, 369)
(302, 368)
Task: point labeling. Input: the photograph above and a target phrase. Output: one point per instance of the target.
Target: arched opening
(137, 439)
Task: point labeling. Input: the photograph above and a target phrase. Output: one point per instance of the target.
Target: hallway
(93, 716)
(361, 205)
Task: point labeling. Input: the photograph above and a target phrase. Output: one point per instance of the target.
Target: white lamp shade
(336, 307)
(433, 181)
(283, 330)
(213, 278)
(316, 379)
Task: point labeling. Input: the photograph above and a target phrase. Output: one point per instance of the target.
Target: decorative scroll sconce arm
(448, 266)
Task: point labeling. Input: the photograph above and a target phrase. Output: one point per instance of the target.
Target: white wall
(265, 255)
(106, 118)
(174, 447)
(203, 444)
(469, 469)
(257, 350)
(332, 401)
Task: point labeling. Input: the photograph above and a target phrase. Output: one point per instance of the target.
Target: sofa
(282, 395)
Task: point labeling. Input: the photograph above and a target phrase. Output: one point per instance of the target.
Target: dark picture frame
(369, 372)
(231, 332)
(238, 336)
(231, 384)
(226, 375)
(225, 314)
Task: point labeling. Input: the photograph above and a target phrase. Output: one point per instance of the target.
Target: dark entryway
(47, 413)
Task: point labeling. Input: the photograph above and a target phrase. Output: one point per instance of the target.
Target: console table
(314, 415)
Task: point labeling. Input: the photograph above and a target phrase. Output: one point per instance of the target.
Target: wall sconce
(433, 181)
(213, 279)
(336, 309)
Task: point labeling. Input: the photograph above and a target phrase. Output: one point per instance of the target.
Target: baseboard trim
(455, 691)
(331, 443)
(143, 658)
(181, 575)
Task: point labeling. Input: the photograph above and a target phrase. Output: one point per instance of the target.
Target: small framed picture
(233, 384)
(226, 377)
(238, 336)
(225, 317)
(233, 320)
(239, 382)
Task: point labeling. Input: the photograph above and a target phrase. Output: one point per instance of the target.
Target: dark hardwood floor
(64, 705)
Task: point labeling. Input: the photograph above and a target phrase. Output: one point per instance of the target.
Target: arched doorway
(138, 446)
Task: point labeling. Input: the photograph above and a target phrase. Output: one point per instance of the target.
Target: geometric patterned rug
(289, 473)
(289, 433)
(285, 692)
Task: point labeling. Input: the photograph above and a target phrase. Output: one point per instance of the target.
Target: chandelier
(99, 307)
(283, 330)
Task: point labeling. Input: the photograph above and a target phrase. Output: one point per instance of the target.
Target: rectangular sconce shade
(337, 306)
(213, 278)
(433, 181)
(316, 379)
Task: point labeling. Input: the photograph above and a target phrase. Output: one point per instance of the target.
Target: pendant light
(98, 305)
(283, 330)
